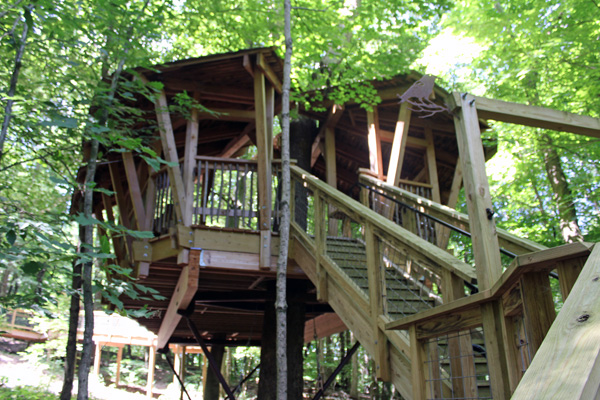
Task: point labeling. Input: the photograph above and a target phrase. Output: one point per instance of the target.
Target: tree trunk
(354, 378)
(14, 79)
(284, 230)
(303, 131)
(267, 389)
(71, 355)
(569, 226)
(212, 387)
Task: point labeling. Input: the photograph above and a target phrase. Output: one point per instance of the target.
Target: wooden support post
(189, 163)
(538, 307)
(150, 204)
(492, 316)
(374, 140)
(115, 178)
(263, 169)
(167, 139)
(135, 193)
(97, 358)
(321, 246)
(462, 365)
(484, 236)
(399, 145)
(479, 201)
(119, 359)
(335, 113)
(417, 359)
(568, 272)
(331, 173)
(457, 180)
(567, 365)
(270, 115)
(376, 289)
(432, 166)
(151, 367)
(184, 292)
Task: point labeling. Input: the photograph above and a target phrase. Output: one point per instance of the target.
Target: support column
(484, 236)
(264, 169)
(97, 357)
(374, 140)
(151, 365)
(189, 163)
(399, 145)
(331, 172)
(119, 359)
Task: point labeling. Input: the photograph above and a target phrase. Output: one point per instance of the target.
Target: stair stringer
(355, 315)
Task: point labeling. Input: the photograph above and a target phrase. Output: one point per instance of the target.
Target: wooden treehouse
(372, 220)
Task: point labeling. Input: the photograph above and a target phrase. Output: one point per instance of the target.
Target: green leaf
(152, 162)
(61, 122)
(11, 236)
(32, 267)
(85, 221)
(105, 191)
(141, 234)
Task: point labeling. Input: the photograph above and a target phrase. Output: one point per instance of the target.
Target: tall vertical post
(485, 239)
(189, 163)
(264, 168)
(374, 141)
(151, 365)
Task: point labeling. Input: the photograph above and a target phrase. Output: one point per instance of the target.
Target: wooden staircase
(404, 298)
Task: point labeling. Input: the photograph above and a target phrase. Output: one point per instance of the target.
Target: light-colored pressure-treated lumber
(135, 192)
(535, 116)
(263, 168)
(399, 145)
(374, 141)
(479, 201)
(567, 364)
(189, 162)
(184, 292)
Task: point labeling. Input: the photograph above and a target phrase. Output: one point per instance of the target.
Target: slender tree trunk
(569, 226)
(71, 356)
(354, 377)
(284, 231)
(14, 79)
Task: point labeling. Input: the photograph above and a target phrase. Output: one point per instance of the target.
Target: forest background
(54, 56)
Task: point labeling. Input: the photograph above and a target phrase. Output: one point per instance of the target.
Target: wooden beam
(535, 116)
(374, 140)
(135, 192)
(479, 201)
(189, 163)
(263, 169)
(334, 115)
(247, 64)
(538, 307)
(399, 145)
(432, 166)
(567, 364)
(184, 292)
(271, 76)
(323, 326)
(151, 370)
(228, 114)
(167, 139)
(118, 372)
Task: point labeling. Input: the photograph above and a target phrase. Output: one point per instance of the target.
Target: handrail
(507, 240)
(390, 230)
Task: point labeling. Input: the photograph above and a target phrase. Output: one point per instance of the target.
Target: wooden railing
(507, 241)
(225, 194)
(442, 334)
(386, 271)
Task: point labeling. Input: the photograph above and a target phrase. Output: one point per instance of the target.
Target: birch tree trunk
(284, 230)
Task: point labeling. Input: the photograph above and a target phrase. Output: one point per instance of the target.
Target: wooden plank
(237, 142)
(399, 145)
(417, 359)
(335, 113)
(568, 272)
(450, 323)
(492, 316)
(479, 201)
(323, 326)
(432, 166)
(266, 69)
(538, 307)
(150, 203)
(189, 163)
(320, 246)
(135, 192)
(151, 370)
(567, 365)
(184, 292)
(170, 154)
(374, 141)
(227, 114)
(535, 116)
(118, 372)
(376, 303)
(263, 169)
